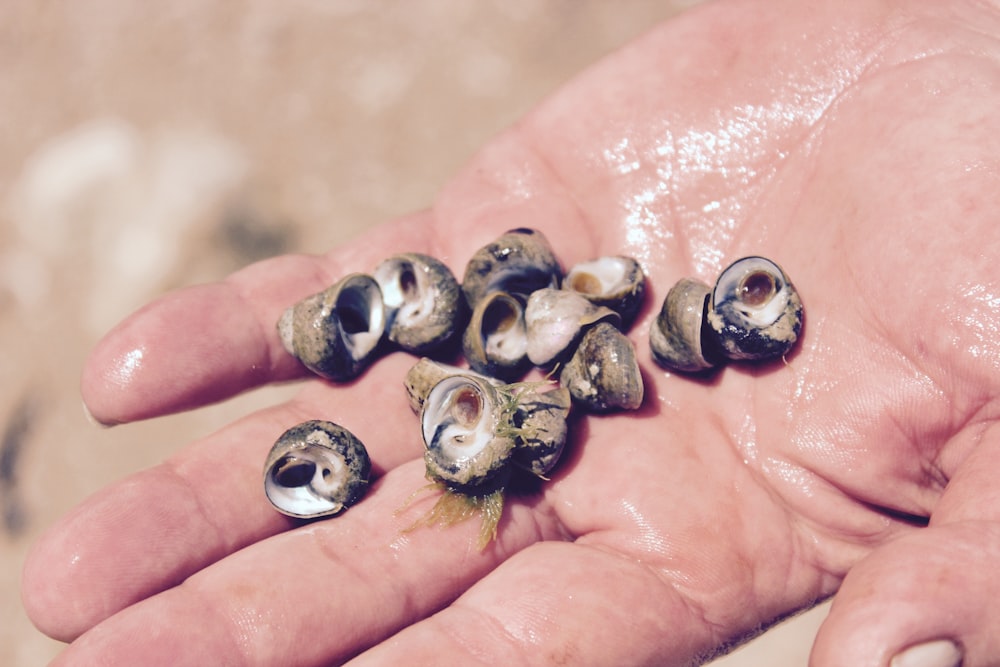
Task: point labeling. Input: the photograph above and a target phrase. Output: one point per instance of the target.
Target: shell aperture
(613, 281)
(462, 424)
(423, 301)
(755, 310)
(315, 469)
(335, 333)
(495, 342)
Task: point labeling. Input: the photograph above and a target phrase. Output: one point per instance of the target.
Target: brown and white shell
(336, 332)
(315, 469)
(423, 301)
(603, 374)
(518, 262)
(613, 281)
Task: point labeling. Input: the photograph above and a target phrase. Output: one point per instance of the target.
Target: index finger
(209, 342)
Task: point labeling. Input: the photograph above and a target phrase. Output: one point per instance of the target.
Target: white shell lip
(729, 286)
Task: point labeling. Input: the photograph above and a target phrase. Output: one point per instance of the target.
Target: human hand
(855, 145)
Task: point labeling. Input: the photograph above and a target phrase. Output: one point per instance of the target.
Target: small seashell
(555, 319)
(614, 281)
(423, 301)
(754, 310)
(603, 374)
(335, 333)
(677, 336)
(495, 342)
(465, 424)
(541, 427)
(519, 262)
(315, 469)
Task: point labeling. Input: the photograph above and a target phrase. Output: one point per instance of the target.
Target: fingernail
(940, 653)
(92, 419)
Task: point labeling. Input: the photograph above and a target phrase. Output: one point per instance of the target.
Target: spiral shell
(519, 262)
(755, 311)
(677, 336)
(336, 333)
(603, 374)
(540, 420)
(423, 301)
(495, 342)
(614, 281)
(315, 469)
(465, 426)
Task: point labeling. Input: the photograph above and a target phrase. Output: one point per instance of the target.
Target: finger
(209, 342)
(314, 595)
(155, 528)
(557, 603)
(929, 598)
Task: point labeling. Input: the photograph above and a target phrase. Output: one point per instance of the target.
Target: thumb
(929, 598)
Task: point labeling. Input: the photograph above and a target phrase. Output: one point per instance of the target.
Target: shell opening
(586, 283)
(292, 471)
(455, 419)
(503, 329)
(757, 288)
(361, 315)
(598, 277)
(316, 469)
(466, 407)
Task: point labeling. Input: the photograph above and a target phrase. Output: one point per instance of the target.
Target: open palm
(857, 145)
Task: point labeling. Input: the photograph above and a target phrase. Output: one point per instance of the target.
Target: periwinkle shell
(315, 469)
(465, 426)
(495, 342)
(336, 332)
(613, 281)
(755, 311)
(603, 374)
(677, 336)
(518, 262)
(423, 301)
(540, 421)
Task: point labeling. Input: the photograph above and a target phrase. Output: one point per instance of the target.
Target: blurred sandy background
(145, 146)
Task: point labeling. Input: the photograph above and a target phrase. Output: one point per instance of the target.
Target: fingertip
(122, 544)
(51, 569)
(923, 600)
(192, 347)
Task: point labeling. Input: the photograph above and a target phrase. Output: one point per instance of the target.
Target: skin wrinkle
(222, 545)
